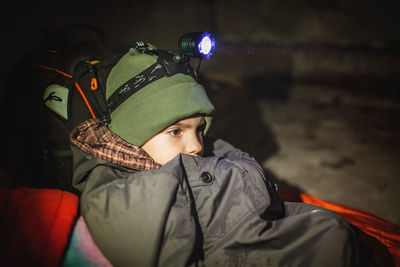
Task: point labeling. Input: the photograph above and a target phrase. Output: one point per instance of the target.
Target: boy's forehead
(196, 119)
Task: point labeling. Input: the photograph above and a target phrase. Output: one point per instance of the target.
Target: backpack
(49, 92)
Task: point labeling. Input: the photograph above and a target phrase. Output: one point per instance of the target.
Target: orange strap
(85, 99)
(53, 69)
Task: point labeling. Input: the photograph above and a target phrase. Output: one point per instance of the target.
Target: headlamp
(197, 44)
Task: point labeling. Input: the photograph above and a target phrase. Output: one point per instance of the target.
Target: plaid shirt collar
(93, 137)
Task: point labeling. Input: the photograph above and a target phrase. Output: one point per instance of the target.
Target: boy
(151, 195)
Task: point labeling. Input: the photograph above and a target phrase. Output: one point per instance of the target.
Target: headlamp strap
(152, 73)
(167, 64)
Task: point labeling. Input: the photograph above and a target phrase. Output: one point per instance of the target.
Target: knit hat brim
(159, 105)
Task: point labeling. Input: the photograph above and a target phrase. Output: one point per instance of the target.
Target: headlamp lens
(197, 44)
(205, 45)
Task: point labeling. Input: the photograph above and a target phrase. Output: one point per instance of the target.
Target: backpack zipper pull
(94, 85)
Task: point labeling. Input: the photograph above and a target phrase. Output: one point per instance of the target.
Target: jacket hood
(94, 138)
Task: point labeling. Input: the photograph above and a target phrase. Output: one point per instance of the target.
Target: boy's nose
(195, 146)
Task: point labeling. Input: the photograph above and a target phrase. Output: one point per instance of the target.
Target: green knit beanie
(158, 104)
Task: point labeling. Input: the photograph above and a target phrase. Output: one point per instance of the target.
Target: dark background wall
(294, 38)
(309, 87)
(368, 25)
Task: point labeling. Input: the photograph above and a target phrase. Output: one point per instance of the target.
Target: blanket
(42, 227)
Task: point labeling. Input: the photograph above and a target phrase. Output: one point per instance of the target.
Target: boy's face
(184, 136)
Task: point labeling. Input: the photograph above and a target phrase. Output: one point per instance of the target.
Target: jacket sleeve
(139, 218)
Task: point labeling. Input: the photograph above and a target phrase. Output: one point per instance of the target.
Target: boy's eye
(175, 132)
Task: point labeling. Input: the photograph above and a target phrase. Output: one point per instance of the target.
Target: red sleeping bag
(382, 236)
(36, 225)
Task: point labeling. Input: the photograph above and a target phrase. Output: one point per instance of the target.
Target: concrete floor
(339, 147)
(333, 143)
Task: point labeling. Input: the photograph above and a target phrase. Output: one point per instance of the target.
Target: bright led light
(197, 44)
(205, 45)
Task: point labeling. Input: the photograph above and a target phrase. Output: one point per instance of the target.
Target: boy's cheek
(165, 155)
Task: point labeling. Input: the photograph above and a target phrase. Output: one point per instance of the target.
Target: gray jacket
(208, 211)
